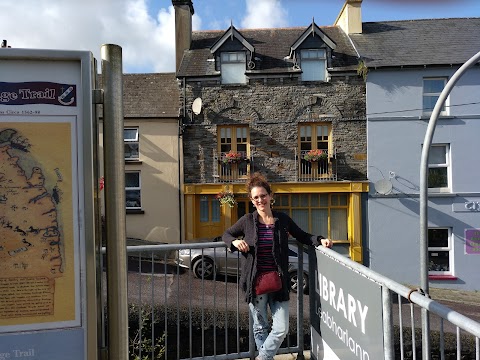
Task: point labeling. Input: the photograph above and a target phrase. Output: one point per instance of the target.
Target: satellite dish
(383, 186)
(197, 106)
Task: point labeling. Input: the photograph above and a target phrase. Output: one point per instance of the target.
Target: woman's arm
(231, 235)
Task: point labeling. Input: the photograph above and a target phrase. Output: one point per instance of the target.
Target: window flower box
(315, 155)
(232, 157)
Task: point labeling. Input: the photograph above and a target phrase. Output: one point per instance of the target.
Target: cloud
(264, 14)
(148, 42)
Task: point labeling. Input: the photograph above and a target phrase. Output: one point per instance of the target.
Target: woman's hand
(241, 245)
(327, 243)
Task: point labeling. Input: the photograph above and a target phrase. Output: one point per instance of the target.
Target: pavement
(456, 296)
(306, 355)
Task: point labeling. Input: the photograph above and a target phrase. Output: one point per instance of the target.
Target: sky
(145, 28)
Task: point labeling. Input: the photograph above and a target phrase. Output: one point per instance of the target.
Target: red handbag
(268, 282)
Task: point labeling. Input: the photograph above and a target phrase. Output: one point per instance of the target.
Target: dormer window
(313, 63)
(232, 67)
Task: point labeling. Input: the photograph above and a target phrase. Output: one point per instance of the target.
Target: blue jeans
(269, 343)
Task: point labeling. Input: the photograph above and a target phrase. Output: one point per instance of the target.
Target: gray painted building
(409, 63)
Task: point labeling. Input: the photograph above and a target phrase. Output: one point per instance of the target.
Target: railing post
(114, 162)
(300, 309)
(388, 323)
(251, 339)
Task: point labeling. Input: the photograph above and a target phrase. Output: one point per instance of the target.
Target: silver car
(207, 262)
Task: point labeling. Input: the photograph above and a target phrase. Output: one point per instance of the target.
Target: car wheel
(204, 268)
(294, 282)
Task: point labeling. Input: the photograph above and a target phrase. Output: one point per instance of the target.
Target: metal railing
(231, 169)
(402, 333)
(186, 308)
(185, 303)
(323, 169)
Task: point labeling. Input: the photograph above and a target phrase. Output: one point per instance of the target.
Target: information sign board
(346, 313)
(46, 204)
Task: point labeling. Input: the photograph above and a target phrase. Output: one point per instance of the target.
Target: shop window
(133, 190)
(321, 214)
(439, 251)
(131, 143)
(209, 209)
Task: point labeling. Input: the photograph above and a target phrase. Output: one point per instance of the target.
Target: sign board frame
(345, 312)
(48, 137)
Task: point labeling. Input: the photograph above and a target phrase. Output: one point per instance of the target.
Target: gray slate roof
(271, 45)
(150, 95)
(418, 42)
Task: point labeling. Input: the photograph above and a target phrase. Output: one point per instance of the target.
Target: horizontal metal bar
(170, 247)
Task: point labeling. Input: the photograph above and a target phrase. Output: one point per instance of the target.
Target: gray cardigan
(247, 227)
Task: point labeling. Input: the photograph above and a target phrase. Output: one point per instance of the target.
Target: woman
(264, 248)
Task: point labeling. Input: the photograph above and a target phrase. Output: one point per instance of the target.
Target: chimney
(350, 17)
(183, 28)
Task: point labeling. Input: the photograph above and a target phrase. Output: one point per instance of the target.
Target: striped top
(265, 260)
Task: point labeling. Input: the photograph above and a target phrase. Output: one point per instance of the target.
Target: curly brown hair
(257, 179)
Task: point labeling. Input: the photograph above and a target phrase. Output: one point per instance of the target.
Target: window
(233, 66)
(313, 64)
(233, 140)
(438, 168)
(432, 88)
(209, 209)
(130, 138)
(313, 137)
(321, 214)
(439, 251)
(133, 190)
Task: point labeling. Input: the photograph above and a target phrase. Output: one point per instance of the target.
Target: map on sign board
(36, 230)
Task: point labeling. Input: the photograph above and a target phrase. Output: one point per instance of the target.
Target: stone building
(285, 102)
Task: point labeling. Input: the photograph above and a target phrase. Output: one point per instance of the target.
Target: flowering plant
(315, 155)
(232, 157)
(226, 197)
(102, 183)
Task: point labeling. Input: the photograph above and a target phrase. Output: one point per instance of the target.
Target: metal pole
(388, 337)
(424, 197)
(114, 160)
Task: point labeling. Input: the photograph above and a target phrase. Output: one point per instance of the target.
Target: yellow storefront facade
(332, 209)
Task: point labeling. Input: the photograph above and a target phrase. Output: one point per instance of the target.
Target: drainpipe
(424, 197)
(180, 159)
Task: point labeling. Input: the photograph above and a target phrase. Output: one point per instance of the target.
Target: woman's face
(260, 198)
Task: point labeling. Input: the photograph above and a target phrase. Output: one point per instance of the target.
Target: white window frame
(448, 248)
(133, 140)
(446, 165)
(134, 188)
(445, 108)
(314, 64)
(233, 67)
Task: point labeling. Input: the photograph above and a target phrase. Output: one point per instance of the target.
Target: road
(178, 289)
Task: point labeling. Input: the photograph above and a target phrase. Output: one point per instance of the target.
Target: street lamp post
(424, 197)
